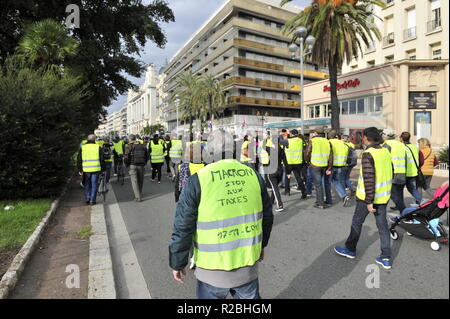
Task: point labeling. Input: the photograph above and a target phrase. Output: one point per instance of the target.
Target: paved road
(299, 261)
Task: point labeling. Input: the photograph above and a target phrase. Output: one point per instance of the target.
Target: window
(371, 63)
(410, 31)
(361, 106)
(411, 54)
(435, 22)
(352, 107)
(389, 58)
(328, 110)
(314, 111)
(374, 104)
(344, 107)
(436, 51)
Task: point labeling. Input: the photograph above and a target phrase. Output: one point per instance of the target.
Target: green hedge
(40, 130)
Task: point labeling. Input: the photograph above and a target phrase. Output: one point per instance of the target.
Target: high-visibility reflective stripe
(322, 162)
(95, 166)
(399, 165)
(90, 161)
(379, 185)
(319, 155)
(214, 248)
(229, 222)
(340, 156)
(398, 158)
(388, 193)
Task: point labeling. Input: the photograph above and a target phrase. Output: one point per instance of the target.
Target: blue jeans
(397, 196)
(283, 179)
(321, 181)
(309, 181)
(338, 179)
(359, 217)
(347, 171)
(247, 291)
(412, 189)
(90, 186)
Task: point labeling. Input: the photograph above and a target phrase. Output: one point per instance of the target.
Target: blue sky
(189, 17)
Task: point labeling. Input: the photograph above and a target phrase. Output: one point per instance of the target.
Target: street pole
(177, 120)
(301, 87)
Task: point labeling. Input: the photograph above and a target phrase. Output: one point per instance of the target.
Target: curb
(101, 277)
(12, 275)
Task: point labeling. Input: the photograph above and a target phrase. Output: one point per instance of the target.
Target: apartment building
(242, 46)
(411, 29)
(141, 104)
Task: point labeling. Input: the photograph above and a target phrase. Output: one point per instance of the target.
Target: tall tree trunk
(191, 127)
(210, 110)
(335, 111)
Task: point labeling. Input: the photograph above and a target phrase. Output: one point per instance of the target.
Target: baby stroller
(417, 223)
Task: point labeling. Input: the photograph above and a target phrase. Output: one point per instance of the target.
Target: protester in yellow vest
(412, 166)
(373, 194)
(107, 150)
(340, 154)
(427, 161)
(398, 156)
(90, 164)
(352, 161)
(294, 159)
(245, 151)
(118, 151)
(227, 208)
(320, 156)
(156, 149)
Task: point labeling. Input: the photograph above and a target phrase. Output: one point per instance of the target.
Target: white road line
(130, 281)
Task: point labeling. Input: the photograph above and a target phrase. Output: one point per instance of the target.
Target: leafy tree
(152, 129)
(340, 27)
(443, 155)
(211, 97)
(46, 44)
(40, 116)
(111, 34)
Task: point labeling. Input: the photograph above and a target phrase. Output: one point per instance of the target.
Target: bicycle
(102, 189)
(120, 171)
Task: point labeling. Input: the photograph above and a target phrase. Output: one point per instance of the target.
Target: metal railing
(409, 33)
(442, 166)
(388, 39)
(434, 25)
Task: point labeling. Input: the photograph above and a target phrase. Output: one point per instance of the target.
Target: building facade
(141, 104)
(410, 29)
(242, 46)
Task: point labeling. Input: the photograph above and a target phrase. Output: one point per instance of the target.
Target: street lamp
(300, 34)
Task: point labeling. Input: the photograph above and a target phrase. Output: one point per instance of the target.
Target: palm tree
(211, 97)
(338, 26)
(186, 95)
(46, 44)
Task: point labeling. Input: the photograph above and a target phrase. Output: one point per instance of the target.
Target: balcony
(279, 68)
(370, 48)
(388, 40)
(434, 25)
(389, 3)
(261, 83)
(262, 102)
(261, 46)
(409, 34)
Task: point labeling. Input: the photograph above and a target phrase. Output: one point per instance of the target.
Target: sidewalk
(45, 274)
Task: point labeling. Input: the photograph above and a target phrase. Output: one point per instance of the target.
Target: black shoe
(319, 206)
(304, 196)
(88, 202)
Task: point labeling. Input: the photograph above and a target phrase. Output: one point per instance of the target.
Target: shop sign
(347, 84)
(422, 100)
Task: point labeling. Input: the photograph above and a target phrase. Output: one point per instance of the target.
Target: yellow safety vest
(340, 152)
(157, 155)
(90, 158)
(176, 151)
(320, 152)
(229, 226)
(294, 153)
(398, 156)
(118, 147)
(412, 152)
(350, 144)
(383, 176)
(245, 145)
(194, 168)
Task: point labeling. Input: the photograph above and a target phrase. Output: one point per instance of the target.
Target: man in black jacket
(218, 282)
(136, 157)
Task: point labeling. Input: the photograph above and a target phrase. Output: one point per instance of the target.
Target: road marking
(130, 280)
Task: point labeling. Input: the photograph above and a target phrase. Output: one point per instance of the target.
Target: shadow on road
(327, 270)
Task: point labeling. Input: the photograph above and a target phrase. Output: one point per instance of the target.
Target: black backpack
(352, 158)
(107, 152)
(138, 152)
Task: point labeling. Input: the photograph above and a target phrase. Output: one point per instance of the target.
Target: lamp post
(300, 34)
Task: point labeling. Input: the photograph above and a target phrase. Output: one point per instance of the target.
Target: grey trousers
(137, 179)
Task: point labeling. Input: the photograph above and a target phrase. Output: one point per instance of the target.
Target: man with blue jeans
(90, 164)
(372, 194)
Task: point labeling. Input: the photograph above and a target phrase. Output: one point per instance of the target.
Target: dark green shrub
(443, 155)
(40, 130)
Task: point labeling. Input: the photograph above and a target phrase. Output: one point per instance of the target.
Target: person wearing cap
(398, 157)
(294, 159)
(319, 154)
(372, 195)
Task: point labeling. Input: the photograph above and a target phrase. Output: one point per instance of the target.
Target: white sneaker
(192, 265)
(115, 175)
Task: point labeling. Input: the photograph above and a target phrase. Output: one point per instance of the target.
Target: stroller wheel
(435, 246)
(394, 235)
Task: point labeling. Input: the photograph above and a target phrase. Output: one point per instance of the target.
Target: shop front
(408, 95)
